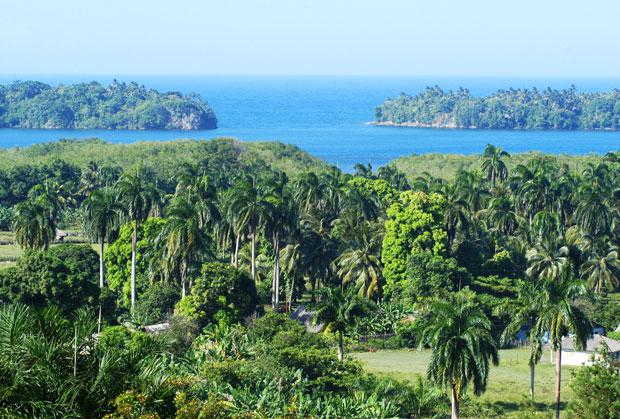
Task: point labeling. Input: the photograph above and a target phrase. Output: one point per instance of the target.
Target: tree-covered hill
(32, 104)
(505, 109)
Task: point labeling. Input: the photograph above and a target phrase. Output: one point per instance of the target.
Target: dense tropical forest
(32, 104)
(269, 268)
(546, 109)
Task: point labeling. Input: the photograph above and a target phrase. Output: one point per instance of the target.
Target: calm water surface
(327, 117)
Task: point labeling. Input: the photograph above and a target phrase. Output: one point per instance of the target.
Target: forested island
(119, 105)
(547, 109)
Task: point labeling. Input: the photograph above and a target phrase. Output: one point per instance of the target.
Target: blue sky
(548, 38)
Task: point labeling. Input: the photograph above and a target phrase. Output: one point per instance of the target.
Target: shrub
(64, 276)
(596, 389)
(6, 218)
(221, 293)
(156, 303)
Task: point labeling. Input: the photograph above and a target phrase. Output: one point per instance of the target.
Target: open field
(508, 386)
(10, 251)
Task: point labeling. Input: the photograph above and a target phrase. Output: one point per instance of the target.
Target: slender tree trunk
(75, 351)
(134, 240)
(253, 256)
(101, 283)
(340, 346)
(237, 239)
(455, 402)
(183, 279)
(276, 273)
(558, 379)
(532, 374)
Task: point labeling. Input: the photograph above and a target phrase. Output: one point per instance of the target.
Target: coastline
(456, 127)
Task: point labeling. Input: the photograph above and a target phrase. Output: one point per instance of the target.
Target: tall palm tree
(456, 212)
(459, 334)
(501, 215)
(337, 309)
(280, 221)
(493, 165)
(523, 313)
(472, 189)
(361, 263)
(250, 210)
(138, 195)
(102, 213)
(183, 237)
(602, 271)
(594, 213)
(558, 315)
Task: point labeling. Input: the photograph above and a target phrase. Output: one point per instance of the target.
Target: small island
(526, 109)
(119, 105)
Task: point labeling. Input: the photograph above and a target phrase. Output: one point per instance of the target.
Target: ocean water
(327, 116)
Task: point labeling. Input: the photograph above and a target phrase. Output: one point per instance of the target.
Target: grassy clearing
(508, 386)
(10, 251)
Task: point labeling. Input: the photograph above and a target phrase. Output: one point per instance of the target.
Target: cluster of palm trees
(321, 230)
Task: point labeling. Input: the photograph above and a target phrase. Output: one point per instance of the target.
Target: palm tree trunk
(134, 240)
(183, 272)
(101, 283)
(236, 259)
(253, 256)
(276, 272)
(558, 378)
(455, 402)
(340, 346)
(532, 374)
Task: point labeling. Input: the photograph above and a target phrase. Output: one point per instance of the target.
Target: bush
(614, 335)
(156, 304)
(6, 218)
(221, 293)
(596, 389)
(64, 276)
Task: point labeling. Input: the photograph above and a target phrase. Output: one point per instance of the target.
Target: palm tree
(547, 260)
(602, 272)
(363, 170)
(523, 313)
(102, 213)
(139, 196)
(594, 213)
(33, 226)
(183, 237)
(459, 334)
(456, 212)
(36, 218)
(337, 309)
(558, 315)
(280, 221)
(361, 263)
(493, 165)
(501, 215)
(250, 211)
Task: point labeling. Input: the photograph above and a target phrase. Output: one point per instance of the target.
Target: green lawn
(508, 386)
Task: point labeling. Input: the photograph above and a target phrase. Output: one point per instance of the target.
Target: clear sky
(552, 38)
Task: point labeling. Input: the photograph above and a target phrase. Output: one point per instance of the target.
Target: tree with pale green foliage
(415, 223)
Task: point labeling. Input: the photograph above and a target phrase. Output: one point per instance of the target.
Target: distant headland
(32, 104)
(526, 109)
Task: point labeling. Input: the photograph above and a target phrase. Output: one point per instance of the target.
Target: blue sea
(327, 116)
